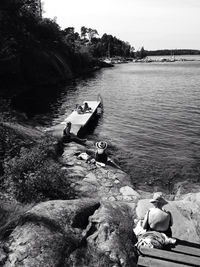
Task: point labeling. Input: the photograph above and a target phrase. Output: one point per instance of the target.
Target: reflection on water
(151, 118)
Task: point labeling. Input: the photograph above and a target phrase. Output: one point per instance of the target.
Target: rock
(111, 175)
(64, 168)
(122, 177)
(114, 191)
(111, 198)
(88, 190)
(128, 191)
(182, 188)
(33, 245)
(75, 177)
(91, 178)
(3, 257)
(48, 233)
(71, 233)
(127, 198)
(193, 197)
(119, 198)
(108, 184)
(79, 168)
(111, 236)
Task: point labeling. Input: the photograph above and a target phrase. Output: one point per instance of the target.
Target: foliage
(106, 46)
(35, 175)
(169, 52)
(11, 212)
(18, 17)
(141, 53)
(24, 33)
(47, 31)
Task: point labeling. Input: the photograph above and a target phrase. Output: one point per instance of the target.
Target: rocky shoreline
(96, 229)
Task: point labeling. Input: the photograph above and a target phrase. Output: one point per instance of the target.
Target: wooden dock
(81, 120)
(182, 255)
(78, 121)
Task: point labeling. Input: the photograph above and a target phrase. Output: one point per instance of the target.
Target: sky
(154, 24)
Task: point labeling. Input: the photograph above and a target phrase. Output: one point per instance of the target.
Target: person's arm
(145, 224)
(171, 218)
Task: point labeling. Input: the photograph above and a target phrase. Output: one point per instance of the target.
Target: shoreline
(97, 222)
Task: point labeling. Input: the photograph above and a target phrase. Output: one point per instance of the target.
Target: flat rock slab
(91, 181)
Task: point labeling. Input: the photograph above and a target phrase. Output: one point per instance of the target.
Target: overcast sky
(154, 24)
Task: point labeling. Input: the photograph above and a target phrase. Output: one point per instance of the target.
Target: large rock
(48, 233)
(72, 233)
(112, 236)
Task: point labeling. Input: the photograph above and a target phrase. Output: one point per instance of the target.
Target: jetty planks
(187, 256)
(80, 120)
(188, 250)
(151, 262)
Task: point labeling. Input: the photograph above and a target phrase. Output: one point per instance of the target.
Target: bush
(34, 175)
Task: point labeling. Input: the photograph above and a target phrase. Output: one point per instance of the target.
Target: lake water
(151, 119)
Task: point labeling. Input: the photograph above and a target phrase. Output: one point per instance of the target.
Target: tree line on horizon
(105, 46)
(169, 52)
(22, 27)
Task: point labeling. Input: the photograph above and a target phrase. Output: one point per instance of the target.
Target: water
(151, 119)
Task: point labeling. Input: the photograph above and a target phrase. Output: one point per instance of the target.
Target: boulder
(112, 236)
(127, 191)
(48, 233)
(74, 233)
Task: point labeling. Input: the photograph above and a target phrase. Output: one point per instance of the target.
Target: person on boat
(100, 155)
(86, 108)
(157, 219)
(79, 109)
(68, 136)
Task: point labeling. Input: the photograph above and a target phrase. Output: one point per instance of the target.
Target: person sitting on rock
(68, 136)
(156, 218)
(66, 132)
(100, 155)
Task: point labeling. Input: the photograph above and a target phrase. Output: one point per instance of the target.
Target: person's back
(80, 109)
(86, 108)
(100, 155)
(159, 220)
(66, 133)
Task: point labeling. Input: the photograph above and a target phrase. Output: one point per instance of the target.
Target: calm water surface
(151, 119)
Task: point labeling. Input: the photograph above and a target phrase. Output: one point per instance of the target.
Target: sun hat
(158, 198)
(101, 145)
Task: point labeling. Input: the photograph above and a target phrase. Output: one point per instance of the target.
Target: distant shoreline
(168, 58)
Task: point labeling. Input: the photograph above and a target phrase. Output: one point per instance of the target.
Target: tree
(72, 38)
(141, 53)
(91, 34)
(83, 32)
